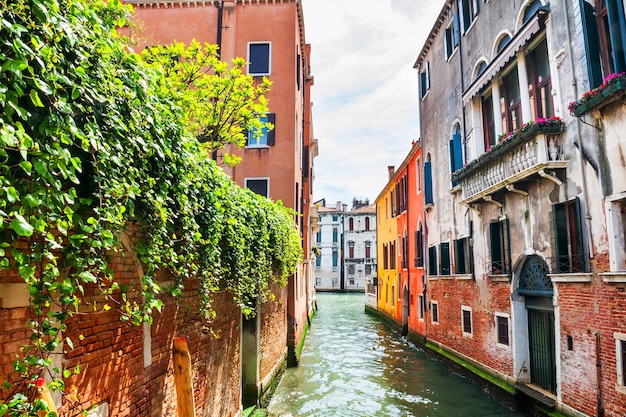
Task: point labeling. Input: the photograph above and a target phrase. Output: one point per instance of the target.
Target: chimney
(339, 205)
(392, 170)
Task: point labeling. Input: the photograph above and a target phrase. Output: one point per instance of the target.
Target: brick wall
(111, 353)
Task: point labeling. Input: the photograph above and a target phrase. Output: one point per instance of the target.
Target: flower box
(613, 87)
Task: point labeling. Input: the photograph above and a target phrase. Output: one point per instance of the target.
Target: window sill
(499, 277)
(464, 277)
(571, 278)
(257, 146)
(446, 276)
(433, 278)
(613, 277)
(456, 189)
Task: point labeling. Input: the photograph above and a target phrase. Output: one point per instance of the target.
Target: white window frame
(267, 179)
(420, 307)
(269, 58)
(497, 334)
(432, 317)
(262, 141)
(469, 309)
(620, 382)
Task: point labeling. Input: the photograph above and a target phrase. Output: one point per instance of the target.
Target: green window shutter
(617, 30)
(444, 266)
(592, 43)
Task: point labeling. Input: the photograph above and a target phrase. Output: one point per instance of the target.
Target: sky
(365, 90)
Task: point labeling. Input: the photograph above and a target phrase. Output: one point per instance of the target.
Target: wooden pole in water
(182, 378)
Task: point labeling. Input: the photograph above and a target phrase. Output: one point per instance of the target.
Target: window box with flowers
(613, 87)
(508, 141)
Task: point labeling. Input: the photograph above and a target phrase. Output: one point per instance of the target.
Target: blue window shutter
(457, 147)
(457, 29)
(428, 183)
(617, 29)
(592, 44)
(259, 57)
(271, 135)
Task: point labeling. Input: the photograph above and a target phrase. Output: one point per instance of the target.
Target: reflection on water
(352, 365)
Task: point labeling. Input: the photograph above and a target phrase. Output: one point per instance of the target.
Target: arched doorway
(536, 287)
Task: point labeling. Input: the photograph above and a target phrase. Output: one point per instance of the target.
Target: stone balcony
(534, 152)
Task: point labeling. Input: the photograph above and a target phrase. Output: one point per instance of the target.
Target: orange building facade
(401, 295)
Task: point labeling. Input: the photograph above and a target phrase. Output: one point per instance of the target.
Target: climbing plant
(92, 141)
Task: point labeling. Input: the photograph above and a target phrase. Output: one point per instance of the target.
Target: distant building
(346, 246)
(359, 246)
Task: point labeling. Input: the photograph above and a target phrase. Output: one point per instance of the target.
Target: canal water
(354, 366)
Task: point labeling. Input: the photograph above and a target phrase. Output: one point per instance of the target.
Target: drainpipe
(578, 132)
(220, 16)
(599, 409)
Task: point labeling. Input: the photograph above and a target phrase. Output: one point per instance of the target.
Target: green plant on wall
(91, 141)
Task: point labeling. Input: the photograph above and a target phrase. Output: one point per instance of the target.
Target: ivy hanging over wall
(90, 142)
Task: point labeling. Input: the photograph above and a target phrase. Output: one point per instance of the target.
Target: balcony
(533, 150)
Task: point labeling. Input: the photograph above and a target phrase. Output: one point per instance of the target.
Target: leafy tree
(222, 103)
(92, 141)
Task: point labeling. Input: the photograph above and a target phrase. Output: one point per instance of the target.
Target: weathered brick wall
(484, 299)
(587, 310)
(273, 333)
(110, 354)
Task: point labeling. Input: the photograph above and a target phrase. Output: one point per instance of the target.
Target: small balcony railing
(498, 268)
(521, 155)
(568, 264)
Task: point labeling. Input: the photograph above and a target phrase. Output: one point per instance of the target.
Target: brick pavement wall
(485, 298)
(273, 334)
(110, 353)
(587, 310)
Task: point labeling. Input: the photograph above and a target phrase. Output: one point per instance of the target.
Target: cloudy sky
(365, 92)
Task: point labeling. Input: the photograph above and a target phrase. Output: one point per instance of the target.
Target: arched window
(531, 9)
(502, 43)
(368, 249)
(350, 224)
(351, 249)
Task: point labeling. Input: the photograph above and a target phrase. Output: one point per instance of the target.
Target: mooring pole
(182, 378)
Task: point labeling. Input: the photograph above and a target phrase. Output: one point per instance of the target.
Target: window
(539, 82)
(444, 252)
(392, 255)
(470, 11)
(335, 258)
(502, 329)
(350, 249)
(367, 224)
(456, 151)
(418, 176)
(368, 269)
(428, 182)
(420, 307)
(350, 224)
(617, 228)
(499, 248)
(368, 249)
(466, 317)
(264, 137)
(452, 36)
(335, 218)
(503, 42)
(620, 360)
(424, 79)
(318, 282)
(419, 247)
(605, 39)
(511, 101)
(464, 262)
(568, 237)
(405, 252)
(351, 269)
(432, 260)
(489, 124)
(335, 235)
(259, 58)
(434, 311)
(318, 236)
(260, 186)
(318, 260)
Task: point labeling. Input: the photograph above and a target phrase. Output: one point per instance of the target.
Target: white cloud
(365, 92)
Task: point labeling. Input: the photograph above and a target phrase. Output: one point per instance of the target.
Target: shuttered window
(444, 253)
(428, 183)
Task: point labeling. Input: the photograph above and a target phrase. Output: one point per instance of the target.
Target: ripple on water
(353, 366)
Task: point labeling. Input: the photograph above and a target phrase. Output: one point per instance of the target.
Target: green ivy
(90, 142)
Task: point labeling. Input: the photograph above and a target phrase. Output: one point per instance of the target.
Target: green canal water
(354, 366)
